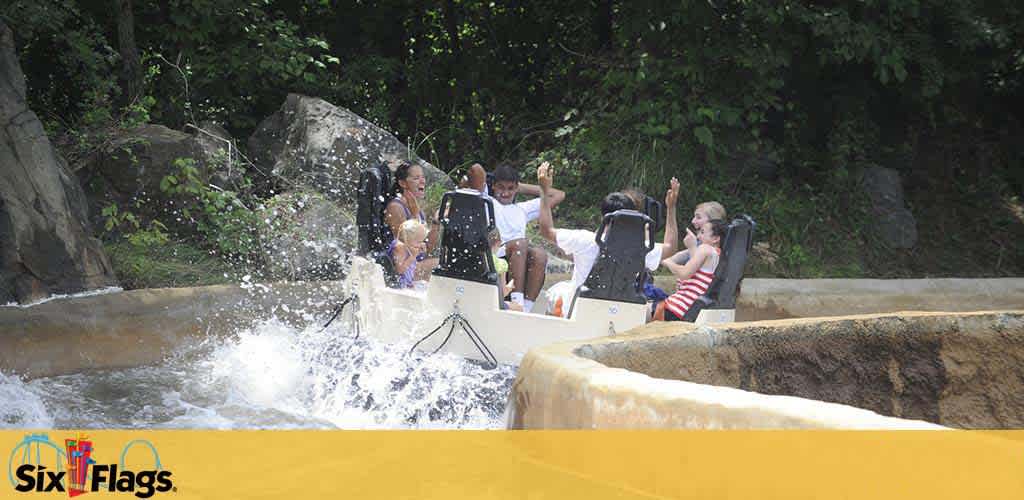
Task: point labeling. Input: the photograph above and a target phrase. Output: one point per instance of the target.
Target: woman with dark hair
(408, 194)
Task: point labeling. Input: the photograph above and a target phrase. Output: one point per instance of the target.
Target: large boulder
(893, 221)
(314, 144)
(45, 242)
(134, 162)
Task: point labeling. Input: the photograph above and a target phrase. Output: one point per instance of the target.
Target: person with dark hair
(527, 264)
(407, 193)
(693, 278)
(580, 242)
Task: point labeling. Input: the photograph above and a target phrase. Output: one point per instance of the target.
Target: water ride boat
(459, 309)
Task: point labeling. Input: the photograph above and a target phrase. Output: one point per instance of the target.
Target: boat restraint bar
(724, 287)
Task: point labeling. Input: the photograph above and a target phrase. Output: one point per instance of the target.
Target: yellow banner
(518, 464)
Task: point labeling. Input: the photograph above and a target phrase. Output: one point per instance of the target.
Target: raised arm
(690, 268)
(476, 178)
(671, 242)
(546, 221)
(690, 240)
(554, 196)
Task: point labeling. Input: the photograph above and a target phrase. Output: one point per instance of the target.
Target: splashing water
(270, 376)
(20, 406)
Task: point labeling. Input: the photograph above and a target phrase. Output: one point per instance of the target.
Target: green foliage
(67, 59)
(220, 216)
(432, 199)
(168, 264)
(615, 93)
(130, 225)
(210, 48)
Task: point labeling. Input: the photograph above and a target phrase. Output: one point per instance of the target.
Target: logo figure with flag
(79, 458)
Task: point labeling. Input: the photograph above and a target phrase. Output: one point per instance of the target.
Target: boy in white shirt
(526, 263)
(581, 245)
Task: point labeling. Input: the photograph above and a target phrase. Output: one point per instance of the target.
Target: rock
(216, 144)
(894, 222)
(306, 236)
(317, 145)
(136, 160)
(45, 243)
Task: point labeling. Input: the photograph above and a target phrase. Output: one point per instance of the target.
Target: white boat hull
(403, 317)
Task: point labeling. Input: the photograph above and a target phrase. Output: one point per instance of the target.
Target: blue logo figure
(24, 451)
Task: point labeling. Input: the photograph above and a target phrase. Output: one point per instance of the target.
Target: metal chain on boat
(457, 319)
(352, 300)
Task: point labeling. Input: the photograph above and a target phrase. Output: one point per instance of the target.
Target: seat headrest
(371, 200)
(656, 211)
(739, 239)
(625, 237)
(466, 219)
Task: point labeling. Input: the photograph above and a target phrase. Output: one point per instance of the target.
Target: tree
(131, 65)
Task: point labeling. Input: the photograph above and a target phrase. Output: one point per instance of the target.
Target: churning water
(270, 376)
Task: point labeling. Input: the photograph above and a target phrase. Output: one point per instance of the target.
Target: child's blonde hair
(712, 209)
(411, 231)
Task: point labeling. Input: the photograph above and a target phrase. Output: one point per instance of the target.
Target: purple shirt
(405, 279)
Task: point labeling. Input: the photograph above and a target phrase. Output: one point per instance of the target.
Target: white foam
(88, 293)
(21, 408)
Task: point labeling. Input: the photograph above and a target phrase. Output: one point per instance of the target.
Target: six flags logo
(75, 471)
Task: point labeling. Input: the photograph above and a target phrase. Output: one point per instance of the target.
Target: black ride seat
(466, 220)
(619, 270)
(374, 235)
(656, 211)
(729, 273)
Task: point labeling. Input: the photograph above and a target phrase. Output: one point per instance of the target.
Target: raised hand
(420, 247)
(672, 195)
(690, 240)
(544, 176)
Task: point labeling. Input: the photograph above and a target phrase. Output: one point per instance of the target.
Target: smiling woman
(410, 190)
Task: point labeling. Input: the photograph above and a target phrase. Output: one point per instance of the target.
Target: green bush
(166, 265)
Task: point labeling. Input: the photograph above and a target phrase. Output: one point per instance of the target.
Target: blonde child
(408, 249)
(693, 278)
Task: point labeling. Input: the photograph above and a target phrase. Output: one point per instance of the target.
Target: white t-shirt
(584, 250)
(511, 220)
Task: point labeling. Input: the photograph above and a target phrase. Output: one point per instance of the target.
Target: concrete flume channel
(945, 364)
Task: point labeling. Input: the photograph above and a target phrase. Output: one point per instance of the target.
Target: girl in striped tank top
(694, 277)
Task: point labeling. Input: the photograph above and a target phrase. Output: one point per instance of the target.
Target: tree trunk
(457, 70)
(131, 65)
(603, 24)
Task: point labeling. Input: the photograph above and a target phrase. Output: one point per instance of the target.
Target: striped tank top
(688, 290)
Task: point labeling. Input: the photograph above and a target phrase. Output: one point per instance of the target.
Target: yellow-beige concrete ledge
(908, 370)
(810, 298)
(139, 327)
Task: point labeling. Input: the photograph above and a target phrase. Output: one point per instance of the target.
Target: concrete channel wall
(783, 298)
(952, 369)
(138, 327)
